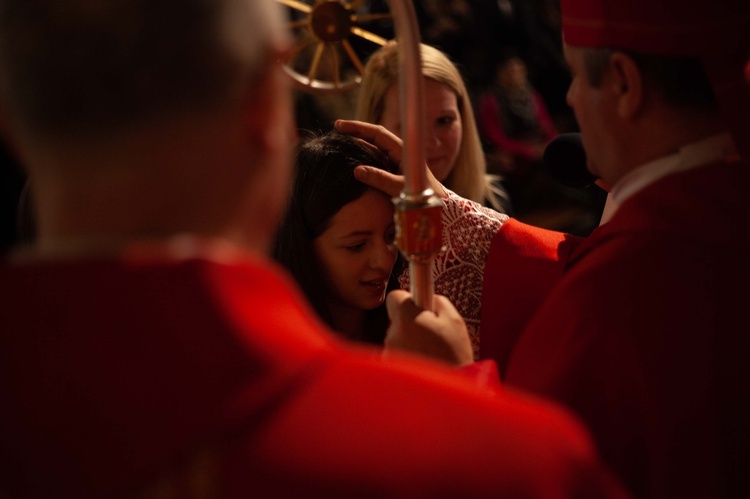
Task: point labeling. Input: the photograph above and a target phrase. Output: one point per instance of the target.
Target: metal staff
(418, 224)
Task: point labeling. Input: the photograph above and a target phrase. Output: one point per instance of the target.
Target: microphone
(565, 160)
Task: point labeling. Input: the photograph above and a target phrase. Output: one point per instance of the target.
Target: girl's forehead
(370, 211)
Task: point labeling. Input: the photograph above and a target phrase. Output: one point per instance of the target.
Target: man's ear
(627, 84)
(268, 110)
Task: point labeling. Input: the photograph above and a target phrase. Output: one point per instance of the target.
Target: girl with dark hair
(338, 236)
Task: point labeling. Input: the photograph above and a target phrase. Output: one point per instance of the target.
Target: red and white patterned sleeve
(458, 270)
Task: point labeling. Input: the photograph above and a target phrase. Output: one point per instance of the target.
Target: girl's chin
(373, 304)
(376, 305)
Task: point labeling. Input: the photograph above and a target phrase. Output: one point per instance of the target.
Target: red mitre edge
(669, 27)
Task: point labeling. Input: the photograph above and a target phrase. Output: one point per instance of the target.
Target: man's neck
(662, 134)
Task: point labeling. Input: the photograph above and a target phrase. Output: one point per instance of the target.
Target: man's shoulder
(228, 348)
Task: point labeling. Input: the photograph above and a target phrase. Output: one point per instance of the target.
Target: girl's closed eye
(356, 248)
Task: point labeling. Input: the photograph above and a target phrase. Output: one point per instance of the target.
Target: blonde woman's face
(443, 129)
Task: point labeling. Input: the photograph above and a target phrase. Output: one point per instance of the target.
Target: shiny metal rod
(411, 95)
(416, 208)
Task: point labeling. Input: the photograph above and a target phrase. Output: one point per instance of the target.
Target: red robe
(523, 265)
(646, 334)
(207, 372)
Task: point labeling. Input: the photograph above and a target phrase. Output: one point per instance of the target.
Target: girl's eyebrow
(357, 233)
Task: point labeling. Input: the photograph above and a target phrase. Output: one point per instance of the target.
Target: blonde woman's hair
(469, 177)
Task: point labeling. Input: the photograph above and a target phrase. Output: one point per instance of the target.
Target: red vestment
(523, 265)
(646, 334)
(197, 372)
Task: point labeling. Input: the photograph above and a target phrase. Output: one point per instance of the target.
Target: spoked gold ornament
(323, 59)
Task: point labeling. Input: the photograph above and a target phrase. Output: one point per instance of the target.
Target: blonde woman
(453, 147)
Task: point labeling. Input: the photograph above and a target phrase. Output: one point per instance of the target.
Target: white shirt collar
(692, 155)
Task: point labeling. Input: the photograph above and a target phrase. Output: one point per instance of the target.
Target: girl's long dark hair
(324, 183)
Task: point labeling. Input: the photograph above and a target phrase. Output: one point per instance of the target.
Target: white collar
(689, 156)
